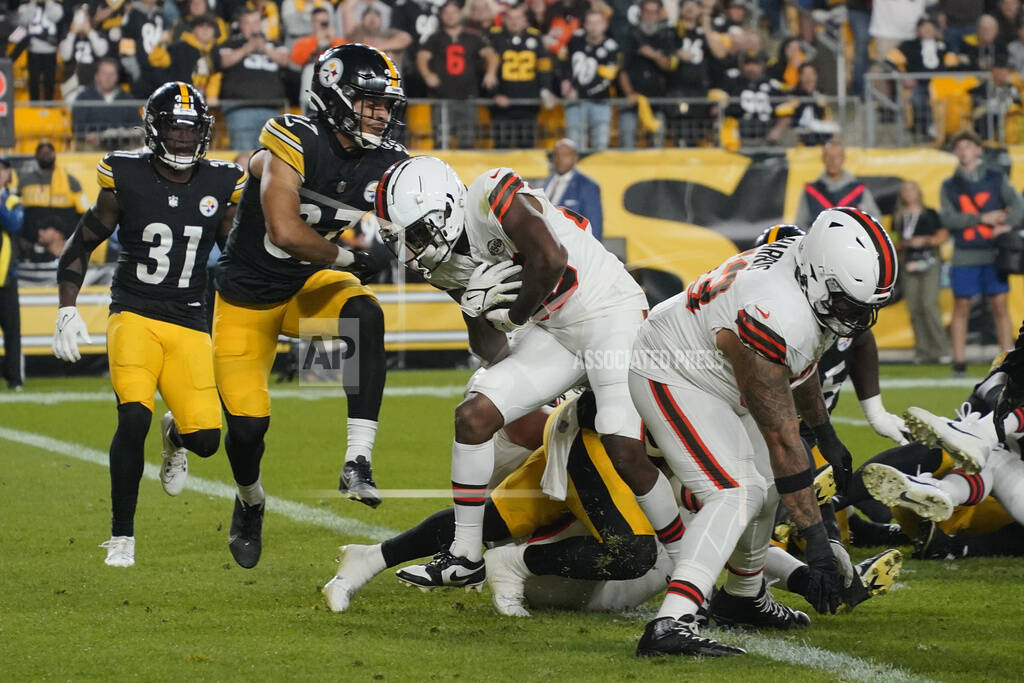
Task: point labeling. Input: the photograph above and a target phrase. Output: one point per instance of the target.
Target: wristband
(794, 482)
(872, 407)
(345, 258)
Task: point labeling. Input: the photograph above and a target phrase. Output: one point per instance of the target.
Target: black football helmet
(178, 124)
(345, 74)
(778, 232)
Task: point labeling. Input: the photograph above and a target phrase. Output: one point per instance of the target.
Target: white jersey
(756, 296)
(595, 281)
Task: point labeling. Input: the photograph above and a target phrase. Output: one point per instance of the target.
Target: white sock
(361, 434)
(1008, 481)
(967, 489)
(471, 469)
(779, 565)
(659, 504)
(253, 494)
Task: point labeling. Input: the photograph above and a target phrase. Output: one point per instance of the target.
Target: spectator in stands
(536, 15)
(927, 53)
(96, 120)
(892, 23)
(54, 202)
(997, 100)
(698, 43)
(648, 58)
(858, 14)
(142, 31)
(525, 74)
(480, 15)
(352, 11)
(918, 236)
(419, 19)
(562, 18)
(80, 51)
(958, 18)
(807, 112)
(590, 65)
(978, 205)
(784, 70)
(371, 31)
(750, 94)
(454, 63)
(196, 9)
(297, 18)
(983, 48)
(191, 58)
(251, 67)
(570, 189)
(835, 187)
(306, 49)
(1015, 51)
(11, 216)
(1009, 16)
(270, 17)
(39, 20)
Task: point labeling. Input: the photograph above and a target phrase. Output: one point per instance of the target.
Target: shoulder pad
(287, 137)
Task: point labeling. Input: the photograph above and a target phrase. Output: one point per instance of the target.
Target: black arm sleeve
(74, 260)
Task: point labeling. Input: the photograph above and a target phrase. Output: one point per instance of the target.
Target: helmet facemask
(425, 244)
(180, 139)
(842, 314)
(345, 111)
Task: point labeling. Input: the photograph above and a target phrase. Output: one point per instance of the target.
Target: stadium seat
(420, 127)
(951, 104)
(32, 124)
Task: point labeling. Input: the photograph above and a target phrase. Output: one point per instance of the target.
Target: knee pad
(203, 443)
(133, 420)
(616, 414)
(367, 310)
(245, 432)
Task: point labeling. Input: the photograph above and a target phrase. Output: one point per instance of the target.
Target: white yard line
(304, 394)
(840, 665)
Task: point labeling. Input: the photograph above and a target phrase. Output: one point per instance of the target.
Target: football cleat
(967, 439)
(444, 570)
(357, 483)
(864, 533)
(761, 611)
(120, 551)
(824, 484)
(358, 566)
(174, 470)
(932, 543)
(877, 575)
(506, 575)
(915, 493)
(245, 540)
(668, 636)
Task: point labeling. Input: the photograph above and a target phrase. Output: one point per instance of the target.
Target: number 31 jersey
(166, 232)
(756, 296)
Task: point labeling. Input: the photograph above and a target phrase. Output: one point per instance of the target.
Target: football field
(187, 611)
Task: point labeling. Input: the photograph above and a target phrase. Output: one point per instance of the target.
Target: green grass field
(186, 611)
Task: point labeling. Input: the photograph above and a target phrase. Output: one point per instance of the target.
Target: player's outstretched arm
(96, 225)
(544, 257)
(864, 374)
(279, 195)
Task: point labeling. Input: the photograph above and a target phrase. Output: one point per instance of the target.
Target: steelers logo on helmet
(331, 72)
(370, 191)
(208, 206)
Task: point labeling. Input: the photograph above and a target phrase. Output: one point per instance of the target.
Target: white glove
(70, 330)
(486, 289)
(843, 562)
(883, 422)
(498, 317)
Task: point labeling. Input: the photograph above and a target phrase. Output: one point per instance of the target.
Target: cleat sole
(889, 486)
(922, 431)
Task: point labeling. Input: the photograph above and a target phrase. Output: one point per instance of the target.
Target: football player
(568, 477)
(572, 316)
(724, 411)
(171, 205)
(278, 273)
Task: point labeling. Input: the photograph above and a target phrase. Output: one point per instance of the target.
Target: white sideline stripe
(298, 512)
(846, 667)
(310, 394)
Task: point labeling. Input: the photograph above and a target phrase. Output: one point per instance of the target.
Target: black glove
(824, 583)
(367, 264)
(837, 455)
(1010, 398)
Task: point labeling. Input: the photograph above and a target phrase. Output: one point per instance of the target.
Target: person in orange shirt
(306, 49)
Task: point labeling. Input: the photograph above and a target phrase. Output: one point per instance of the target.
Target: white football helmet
(423, 204)
(847, 268)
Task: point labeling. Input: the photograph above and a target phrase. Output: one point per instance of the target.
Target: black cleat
(668, 636)
(932, 543)
(246, 537)
(357, 483)
(758, 612)
(867, 534)
(445, 570)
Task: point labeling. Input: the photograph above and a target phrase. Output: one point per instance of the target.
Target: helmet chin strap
(175, 161)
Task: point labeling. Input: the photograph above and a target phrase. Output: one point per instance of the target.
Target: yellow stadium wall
(428, 322)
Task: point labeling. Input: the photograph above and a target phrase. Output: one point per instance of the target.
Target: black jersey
(592, 68)
(525, 64)
(833, 369)
(166, 231)
(252, 270)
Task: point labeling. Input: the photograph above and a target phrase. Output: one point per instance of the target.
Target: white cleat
(915, 493)
(359, 564)
(120, 551)
(968, 439)
(174, 470)
(507, 574)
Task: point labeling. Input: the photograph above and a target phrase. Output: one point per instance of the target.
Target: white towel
(562, 428)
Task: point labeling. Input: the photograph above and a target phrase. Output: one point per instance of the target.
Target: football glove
(825, 583)
(837, 455)
(487, 289)
(70, 330)
(883, 422)
(363, 264)
(498, 317)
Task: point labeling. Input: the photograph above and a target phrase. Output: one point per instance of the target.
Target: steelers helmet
(178, 108)
(778, 232)
(347, 73)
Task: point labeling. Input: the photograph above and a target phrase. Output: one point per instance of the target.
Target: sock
(471, 469)
(681, 598)
(659, 504)
(435, 533)
(361, 434)
(585, 557)
(1014, 422)
(252, 494)
(127, 461)
(1007, 472)
(963, 488)
(799, 579)
(781, 567)
(175, 436)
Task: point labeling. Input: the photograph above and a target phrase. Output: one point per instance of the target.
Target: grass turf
(186, 610)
